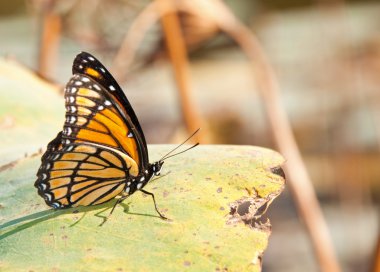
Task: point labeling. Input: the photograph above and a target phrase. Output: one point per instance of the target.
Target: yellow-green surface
(196, 196)
(205, 196)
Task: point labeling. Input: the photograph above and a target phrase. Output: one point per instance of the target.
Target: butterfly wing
(82, 174)
(88, 65)
(94, 116)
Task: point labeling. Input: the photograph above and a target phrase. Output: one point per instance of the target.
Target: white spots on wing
(78, 83)
(139, 186)
(128, 183)
(48, 166)
(142, 179)
(56, 205)
(73, 109)
(112, 88)
(130, 135)
(146, 171)
(84, 61)
(42, 186)
(101, 107)
(107, 103)
(69, 148)
(127, 190)
(102, 69)
(69, 130)
(80, 66)
(72, 119)
(97, 87)
(67, 141)
(73, 90)
(56, 157)
(91, 58)
(71, 99)
(44, 176)
(48, 197)
(85, 79)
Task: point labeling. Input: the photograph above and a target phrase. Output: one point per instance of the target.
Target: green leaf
(214, 197)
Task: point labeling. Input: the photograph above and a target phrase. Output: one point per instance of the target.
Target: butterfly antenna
(191, 147)
(171, 151)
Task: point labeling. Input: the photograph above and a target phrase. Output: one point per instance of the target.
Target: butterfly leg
(155, 205)
(121, 199)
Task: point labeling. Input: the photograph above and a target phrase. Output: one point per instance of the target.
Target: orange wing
(82, 174)
(93, 116)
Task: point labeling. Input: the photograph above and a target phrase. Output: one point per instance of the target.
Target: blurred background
(326, 56)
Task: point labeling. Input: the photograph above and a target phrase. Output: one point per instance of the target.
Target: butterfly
(101, 152)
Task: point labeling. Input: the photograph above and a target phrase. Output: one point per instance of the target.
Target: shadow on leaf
(25, 222)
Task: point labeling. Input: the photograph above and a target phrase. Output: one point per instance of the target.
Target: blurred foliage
(30, 108)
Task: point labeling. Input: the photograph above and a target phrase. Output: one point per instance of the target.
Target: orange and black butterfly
(101, 152)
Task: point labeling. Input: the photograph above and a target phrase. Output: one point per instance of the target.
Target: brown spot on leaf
(249, 211)
(219, 190)
(186, 263)
(243, 208)
(278, 171)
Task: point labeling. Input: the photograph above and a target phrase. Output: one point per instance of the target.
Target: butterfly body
(101, 152)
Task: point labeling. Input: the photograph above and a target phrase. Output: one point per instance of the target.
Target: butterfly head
(156, 167)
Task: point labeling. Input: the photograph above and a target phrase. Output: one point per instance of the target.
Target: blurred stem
(299, 180)
(178, 57)
(49, 40)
